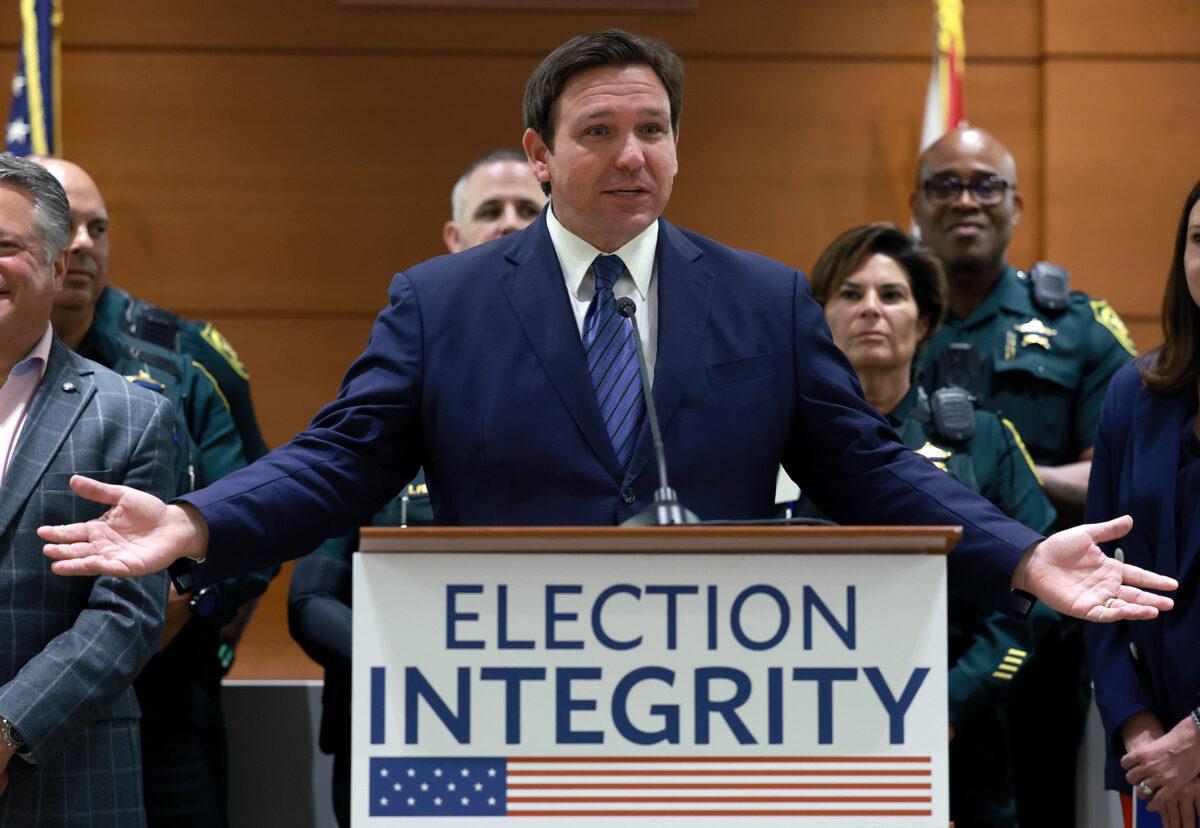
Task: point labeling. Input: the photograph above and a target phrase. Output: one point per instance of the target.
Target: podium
(690, 676)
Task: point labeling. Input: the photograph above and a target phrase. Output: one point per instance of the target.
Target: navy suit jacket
(475, 370)
(1144, 665)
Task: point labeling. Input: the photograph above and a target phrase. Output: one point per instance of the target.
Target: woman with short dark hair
(884, 296)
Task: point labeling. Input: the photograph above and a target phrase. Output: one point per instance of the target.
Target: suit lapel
(684, 296)
(537, 292)
(51, 417)
(1157, 425)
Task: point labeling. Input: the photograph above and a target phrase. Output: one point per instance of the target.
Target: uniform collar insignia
(143, 378)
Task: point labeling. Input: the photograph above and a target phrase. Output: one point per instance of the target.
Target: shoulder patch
(1107, 317)
(1016, 435)
(221, 345)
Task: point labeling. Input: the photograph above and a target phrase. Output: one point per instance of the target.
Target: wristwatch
(203, 602)
(10, 736)
(1021, 602)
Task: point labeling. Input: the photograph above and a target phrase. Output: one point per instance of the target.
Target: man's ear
(60, 268)
(538, 154)
(451, 236)
(1018, 206)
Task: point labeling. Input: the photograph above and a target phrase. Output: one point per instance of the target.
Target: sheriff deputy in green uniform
(183, 738)
(1027, 347)
(201, 341)
(883, 296)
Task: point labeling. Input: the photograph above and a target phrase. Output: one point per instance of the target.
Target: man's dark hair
(1175, 365)
(851, 250)
(611, 47)
(51, 211)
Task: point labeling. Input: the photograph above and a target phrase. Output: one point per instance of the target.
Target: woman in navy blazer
(1147, 464)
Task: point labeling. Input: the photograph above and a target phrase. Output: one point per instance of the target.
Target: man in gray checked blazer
(69, 650)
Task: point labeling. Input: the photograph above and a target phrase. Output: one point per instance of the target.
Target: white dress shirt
(639, 282)
(16, 395)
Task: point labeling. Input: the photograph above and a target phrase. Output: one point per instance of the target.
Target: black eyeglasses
(988, 190)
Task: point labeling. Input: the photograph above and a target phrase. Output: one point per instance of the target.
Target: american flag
(33, 120)
(798, 786)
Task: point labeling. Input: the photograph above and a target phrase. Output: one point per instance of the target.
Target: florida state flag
(944, 100)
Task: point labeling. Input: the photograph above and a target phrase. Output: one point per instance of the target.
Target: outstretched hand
(139, 534)
(1070, 573)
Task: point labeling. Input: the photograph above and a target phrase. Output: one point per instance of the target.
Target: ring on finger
(1145, 790)
(1108, 603)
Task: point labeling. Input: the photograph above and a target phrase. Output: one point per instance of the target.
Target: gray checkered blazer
(70, 647)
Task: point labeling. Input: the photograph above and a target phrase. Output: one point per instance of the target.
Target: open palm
(139, 534)
(1070, 573)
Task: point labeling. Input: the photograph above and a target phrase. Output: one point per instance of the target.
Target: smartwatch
(204, 602)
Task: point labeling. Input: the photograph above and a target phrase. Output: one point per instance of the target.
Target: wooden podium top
(929, 540)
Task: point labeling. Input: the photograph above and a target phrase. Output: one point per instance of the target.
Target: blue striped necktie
(612, 361)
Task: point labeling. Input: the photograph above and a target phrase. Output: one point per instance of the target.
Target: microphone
(666, 510)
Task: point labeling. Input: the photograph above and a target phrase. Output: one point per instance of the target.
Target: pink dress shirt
(16, 395)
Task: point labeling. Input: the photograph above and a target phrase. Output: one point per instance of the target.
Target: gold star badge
(935, 454)
(1035, 332)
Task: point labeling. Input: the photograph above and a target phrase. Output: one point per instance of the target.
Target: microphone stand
(666, 510)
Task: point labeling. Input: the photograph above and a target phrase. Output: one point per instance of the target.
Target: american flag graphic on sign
(799, 786)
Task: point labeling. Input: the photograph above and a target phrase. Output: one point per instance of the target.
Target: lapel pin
(69, 387)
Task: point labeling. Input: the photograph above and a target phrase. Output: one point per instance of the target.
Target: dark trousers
(184, 753)
(981, 793)
(1047, 716)
(341, 789)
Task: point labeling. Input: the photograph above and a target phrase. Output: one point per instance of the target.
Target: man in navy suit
(506, 373)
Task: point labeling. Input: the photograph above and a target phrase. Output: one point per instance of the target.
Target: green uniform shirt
(986, 650)
(1046, 372)
(117, 309)
(208, 445)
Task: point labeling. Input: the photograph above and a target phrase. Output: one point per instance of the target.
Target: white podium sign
(716, 689)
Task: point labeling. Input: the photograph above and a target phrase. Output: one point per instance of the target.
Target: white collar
(575, 256)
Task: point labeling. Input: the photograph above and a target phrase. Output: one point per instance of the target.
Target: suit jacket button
(1133, 651)
(628, 496)
(1119, 554)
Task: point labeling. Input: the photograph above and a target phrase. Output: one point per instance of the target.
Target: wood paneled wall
(268, 165)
